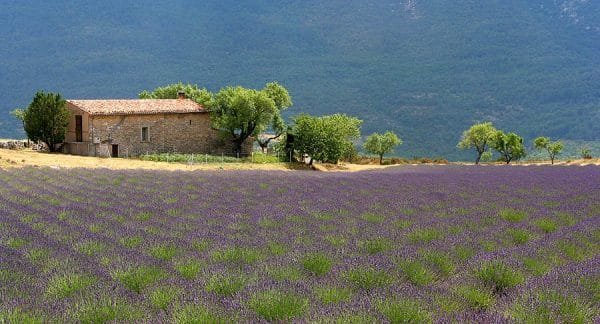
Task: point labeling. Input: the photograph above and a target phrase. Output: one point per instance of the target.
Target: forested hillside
(425, 69)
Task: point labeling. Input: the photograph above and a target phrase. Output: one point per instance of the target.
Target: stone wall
(175, 133)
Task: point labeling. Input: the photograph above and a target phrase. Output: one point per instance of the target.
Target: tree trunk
(380, 159)
(478, 158)
(552, 160)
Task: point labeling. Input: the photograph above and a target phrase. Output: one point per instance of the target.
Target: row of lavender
(427, 243)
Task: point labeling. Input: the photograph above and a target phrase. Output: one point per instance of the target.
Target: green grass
(402, 223)
(373, 218)
(138, 278)
(274, 305)
(464, 252)
(499, 276)
(571, 250)
(476, 298)
(417, 273)
(106, 310)
(162, 297)
(518, 236)
(189, 269)
(189, 314)
(547, 225)
(226, 285)
(367, 278)
(15, 242)
(38, 255)
(131, 241)
(376, 245)
(276, 248)
(536, 266)
(64, 286)
(164, 252)
(404, 311)
(424, 235)
(513, 216)
(237, 255)
(336, 241)
(317, 264)
(552, 307)
(333, 295)
(285, 274)
(441, 261)
(21, 316)
(201, 245)
(91, 248)
(143, 216)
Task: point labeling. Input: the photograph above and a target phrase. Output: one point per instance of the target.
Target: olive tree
(510, 146)
(552, 147)
(46, 119)
(172, 91)
(326, 138)
(478, 136)
(381, 144)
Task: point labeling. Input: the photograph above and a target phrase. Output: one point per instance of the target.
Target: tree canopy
(241, 113)
(552, 147)
(381, 144)
(326, 138)
(46, 119)
(510, 146)
(171, 91)
(478, 136)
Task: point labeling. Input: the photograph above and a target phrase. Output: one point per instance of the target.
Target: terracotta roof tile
(137, 106)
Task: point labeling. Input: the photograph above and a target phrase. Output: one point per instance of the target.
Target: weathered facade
(121, 128)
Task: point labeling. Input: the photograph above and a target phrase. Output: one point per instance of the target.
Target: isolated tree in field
(510, 146)
(241, 113)
(46, 119)
(553, 148)
(282, 100)
(171, 91)
(478, 136)
(381, 144)
(326, 138)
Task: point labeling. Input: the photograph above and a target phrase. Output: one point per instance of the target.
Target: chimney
(181, 95)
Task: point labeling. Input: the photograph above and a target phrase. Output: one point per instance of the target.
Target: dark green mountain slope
(426, 69)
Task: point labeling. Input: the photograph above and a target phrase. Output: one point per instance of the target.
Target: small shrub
(547, 225)
(441, 261)
(164, 252)
(402, 223)
(417, 273)
(195, 314)
(63, 286)
(536, 266)
(276, 248)
(404, 311)
(20, 316)
(518, 236)
(333, 295)
(237, 255)
(572, 250)
(285, 273)
(189, 269)
(566, 219)
(91, 248)
(317, 263)
(131, 241)
(373, 218)
(201, 245)
(464, 252)
(226, 285)
(38, 255)
(143, 216)
(377, 245)
(106, 310)
(274, 305)
(161, 298)
(136, 279)
(424, 235)
(476, 298)
(15, 243)
(336, 241)
(552, 307)
(499, 276)
(512, 215)
(368, 278)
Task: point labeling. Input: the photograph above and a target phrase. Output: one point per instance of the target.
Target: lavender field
(409, 244)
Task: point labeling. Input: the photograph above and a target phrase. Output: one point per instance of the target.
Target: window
(145, 134)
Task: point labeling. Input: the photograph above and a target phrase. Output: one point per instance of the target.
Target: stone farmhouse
(132, 127)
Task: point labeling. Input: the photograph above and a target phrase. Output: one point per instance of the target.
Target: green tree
(510, 146)
(46, 119)
(381, 144)
(242, 113)
(171, 91)
(326, 138)
(478, 136)
(553, 148)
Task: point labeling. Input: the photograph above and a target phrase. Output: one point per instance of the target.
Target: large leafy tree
(241, 113)
(510, 146)
(479, 136)
(552, 147)
(326, 138)
(171, 91)
(381, 144)
(46, 119)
